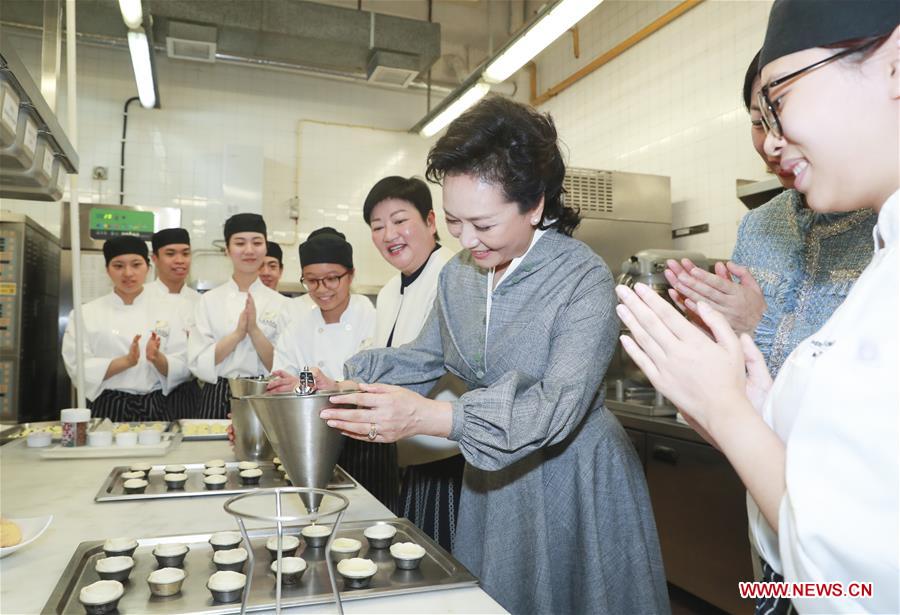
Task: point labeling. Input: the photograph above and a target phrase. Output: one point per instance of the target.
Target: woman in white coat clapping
(132, 357)
(235, 324)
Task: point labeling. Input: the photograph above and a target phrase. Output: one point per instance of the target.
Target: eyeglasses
(331, 282)
(770, 119)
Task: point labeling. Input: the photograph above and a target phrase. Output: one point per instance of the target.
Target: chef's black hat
(244, 223)
(169, 236)
(795, 25)
(326, 245)
(412, 190)
(274, 250)
(124, 244)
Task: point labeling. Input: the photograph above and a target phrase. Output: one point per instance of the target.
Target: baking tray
(185, 426)
(15, 431)
(438, 571)
(114, 491)
(168, 442)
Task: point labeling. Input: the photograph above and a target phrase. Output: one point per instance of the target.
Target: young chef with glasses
(325, 332)
(817, 449)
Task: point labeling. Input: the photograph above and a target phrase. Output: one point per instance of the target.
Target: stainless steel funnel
(250, 441)
(307, 446)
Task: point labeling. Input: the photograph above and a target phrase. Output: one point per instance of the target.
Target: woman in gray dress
(555, 515)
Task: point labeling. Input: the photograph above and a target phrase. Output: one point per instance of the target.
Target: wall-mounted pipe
(613, 53)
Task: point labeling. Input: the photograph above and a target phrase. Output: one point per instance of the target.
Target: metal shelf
(30, 94)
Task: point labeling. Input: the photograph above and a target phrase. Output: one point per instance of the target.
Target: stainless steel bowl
(250, 440)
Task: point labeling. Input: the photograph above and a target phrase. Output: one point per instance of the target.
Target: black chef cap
(326, 245)
(795, 25)
(412, 190)
(244, 223)
(125, 244)
(169, 236)
(274, 250)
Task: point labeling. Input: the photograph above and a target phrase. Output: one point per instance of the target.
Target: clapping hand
(134, 351)
(742, 303)
(152, 351)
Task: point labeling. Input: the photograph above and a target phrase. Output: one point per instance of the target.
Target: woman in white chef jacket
(132, 359)
(400, 214)
(326, 327)
(817, 449)
(235, 324)
(325, 332)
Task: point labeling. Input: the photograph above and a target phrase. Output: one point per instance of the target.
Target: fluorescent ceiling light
(132, 13)
(468, 98)
(143, 70)
(554, 23)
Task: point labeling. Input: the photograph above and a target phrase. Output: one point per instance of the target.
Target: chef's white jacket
(216, 315)
(405, 314)
(109, 327)
(308, 341)
(184, 302)
(835, 405)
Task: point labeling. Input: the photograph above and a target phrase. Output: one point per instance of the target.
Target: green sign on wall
(106, 223)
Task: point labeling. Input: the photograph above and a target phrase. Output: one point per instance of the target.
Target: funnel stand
(279, 519)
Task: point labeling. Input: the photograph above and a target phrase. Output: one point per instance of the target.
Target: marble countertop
(34, 487)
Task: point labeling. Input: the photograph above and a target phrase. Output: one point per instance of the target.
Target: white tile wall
(225, 137)
(671, 105)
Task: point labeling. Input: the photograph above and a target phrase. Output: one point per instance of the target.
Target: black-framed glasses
(331, 281)
(770, 119)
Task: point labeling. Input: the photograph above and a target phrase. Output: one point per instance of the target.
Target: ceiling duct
(187, 41)
(391, 68)
(286, 32)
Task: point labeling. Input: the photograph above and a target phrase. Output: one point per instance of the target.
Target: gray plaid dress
(555, 515)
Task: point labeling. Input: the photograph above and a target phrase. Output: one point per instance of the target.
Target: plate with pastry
(17, 533)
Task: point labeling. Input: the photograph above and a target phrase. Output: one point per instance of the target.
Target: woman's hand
(250, 314)
(229, 431)
(388, 413)
(282, 382)
(759, 381)
(155, 355)
(705, 378)
(742, 303)
(152, 350)
(240, 332)
(134, 351)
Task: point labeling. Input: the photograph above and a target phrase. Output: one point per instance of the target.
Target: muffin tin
(438, 570)
(113, 488)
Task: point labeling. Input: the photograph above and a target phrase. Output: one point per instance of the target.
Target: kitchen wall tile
(670, 105)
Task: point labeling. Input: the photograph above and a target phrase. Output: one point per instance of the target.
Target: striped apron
(215, 400)
(773, 605)
(429, 497)
(122, 407)
(184, 401)
(374, 466)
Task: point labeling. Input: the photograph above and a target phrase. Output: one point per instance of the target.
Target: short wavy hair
(512, 146)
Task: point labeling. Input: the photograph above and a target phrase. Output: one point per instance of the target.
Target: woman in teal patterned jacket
(793, 266)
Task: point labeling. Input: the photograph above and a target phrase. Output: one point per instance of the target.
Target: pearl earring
(535, 220)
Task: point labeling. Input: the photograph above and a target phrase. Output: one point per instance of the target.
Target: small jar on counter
(74, 426)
